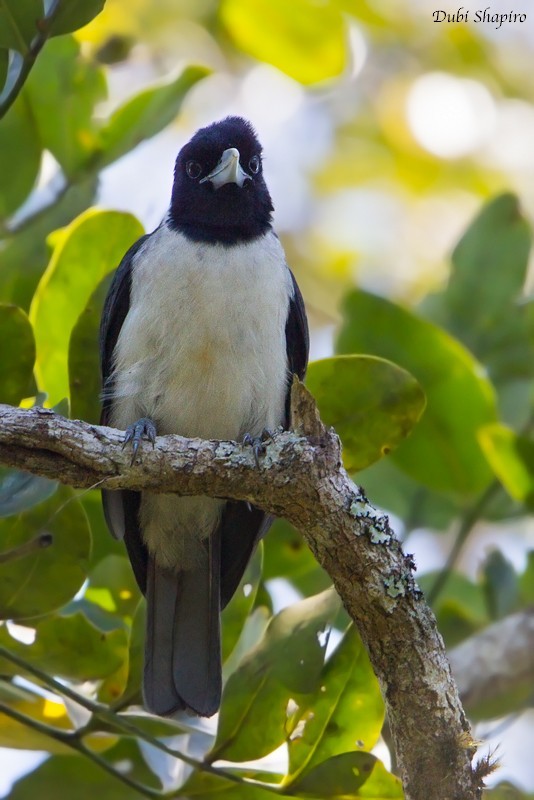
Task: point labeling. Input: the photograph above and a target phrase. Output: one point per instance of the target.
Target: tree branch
(495, 668)
(300, 478)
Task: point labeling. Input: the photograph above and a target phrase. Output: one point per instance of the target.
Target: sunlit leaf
(443, 452)
(355, 775)
(287, 661)
(46, 578)
(305, 39)
(372, 403)
(112, 586)
(345, 714)
(84, 252)
(84, 358)
(511, 457)
(21, 737)
(17, 355)
(204, 785)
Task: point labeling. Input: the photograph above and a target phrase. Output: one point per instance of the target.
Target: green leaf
(136, 656)
(19, 736)
(526, 581)
(286, 555)
(20, 491)
(355, 775)
(47, 578)
(461, 608)
(84, 252)
(506, 791)
(17, 355)
(501, 585)
(345, 713)
(443, 452)
(372, 403)
(499, 327)
(112, 586)
(86, 780)
(511, 456)
(71, 85)
(18, 23)
(74, 14)
(24, 253)
(69, 647)
(205, 785)
(236, 613)
(84, 358)
(305, 39)
(146, 114)
(286, 662)
(18, 134)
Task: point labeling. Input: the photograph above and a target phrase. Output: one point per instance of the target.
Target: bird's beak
(228, 170)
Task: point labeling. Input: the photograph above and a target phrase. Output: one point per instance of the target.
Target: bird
(202, 331)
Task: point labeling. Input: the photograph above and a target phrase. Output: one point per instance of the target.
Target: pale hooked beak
(228, 170)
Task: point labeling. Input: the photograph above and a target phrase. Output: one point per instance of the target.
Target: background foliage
(370, 199)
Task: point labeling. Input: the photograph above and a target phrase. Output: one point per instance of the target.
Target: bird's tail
(183, 642)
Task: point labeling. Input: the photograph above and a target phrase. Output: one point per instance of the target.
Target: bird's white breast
(202, 352)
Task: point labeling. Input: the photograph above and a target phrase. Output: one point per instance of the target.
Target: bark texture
(300, 478)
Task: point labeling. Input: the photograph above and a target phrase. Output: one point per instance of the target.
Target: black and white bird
(203, 328)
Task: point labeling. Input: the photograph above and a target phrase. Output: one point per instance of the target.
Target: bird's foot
(143, 428)
(258, 443)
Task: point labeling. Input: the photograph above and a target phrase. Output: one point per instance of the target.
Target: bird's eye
(193, 169)
(254, 165)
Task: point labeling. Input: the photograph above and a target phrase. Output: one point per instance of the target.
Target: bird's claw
(258, 443)
(143, 428)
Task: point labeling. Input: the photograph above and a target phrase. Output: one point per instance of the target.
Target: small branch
(301, 478)
(73, 742)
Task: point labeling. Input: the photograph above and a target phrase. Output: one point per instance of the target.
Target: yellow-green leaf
(372, 403)
(443, 452)
(45, 578)
(305, 39)
(84, 252)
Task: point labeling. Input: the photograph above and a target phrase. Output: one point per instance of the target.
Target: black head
(219, 194)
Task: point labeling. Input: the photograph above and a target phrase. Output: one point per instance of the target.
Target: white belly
(202, 352)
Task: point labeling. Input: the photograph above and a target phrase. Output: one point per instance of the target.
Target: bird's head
(219, 193)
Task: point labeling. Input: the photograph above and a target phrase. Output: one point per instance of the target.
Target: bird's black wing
(120, 508)
(297, 341)
(242, 525)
